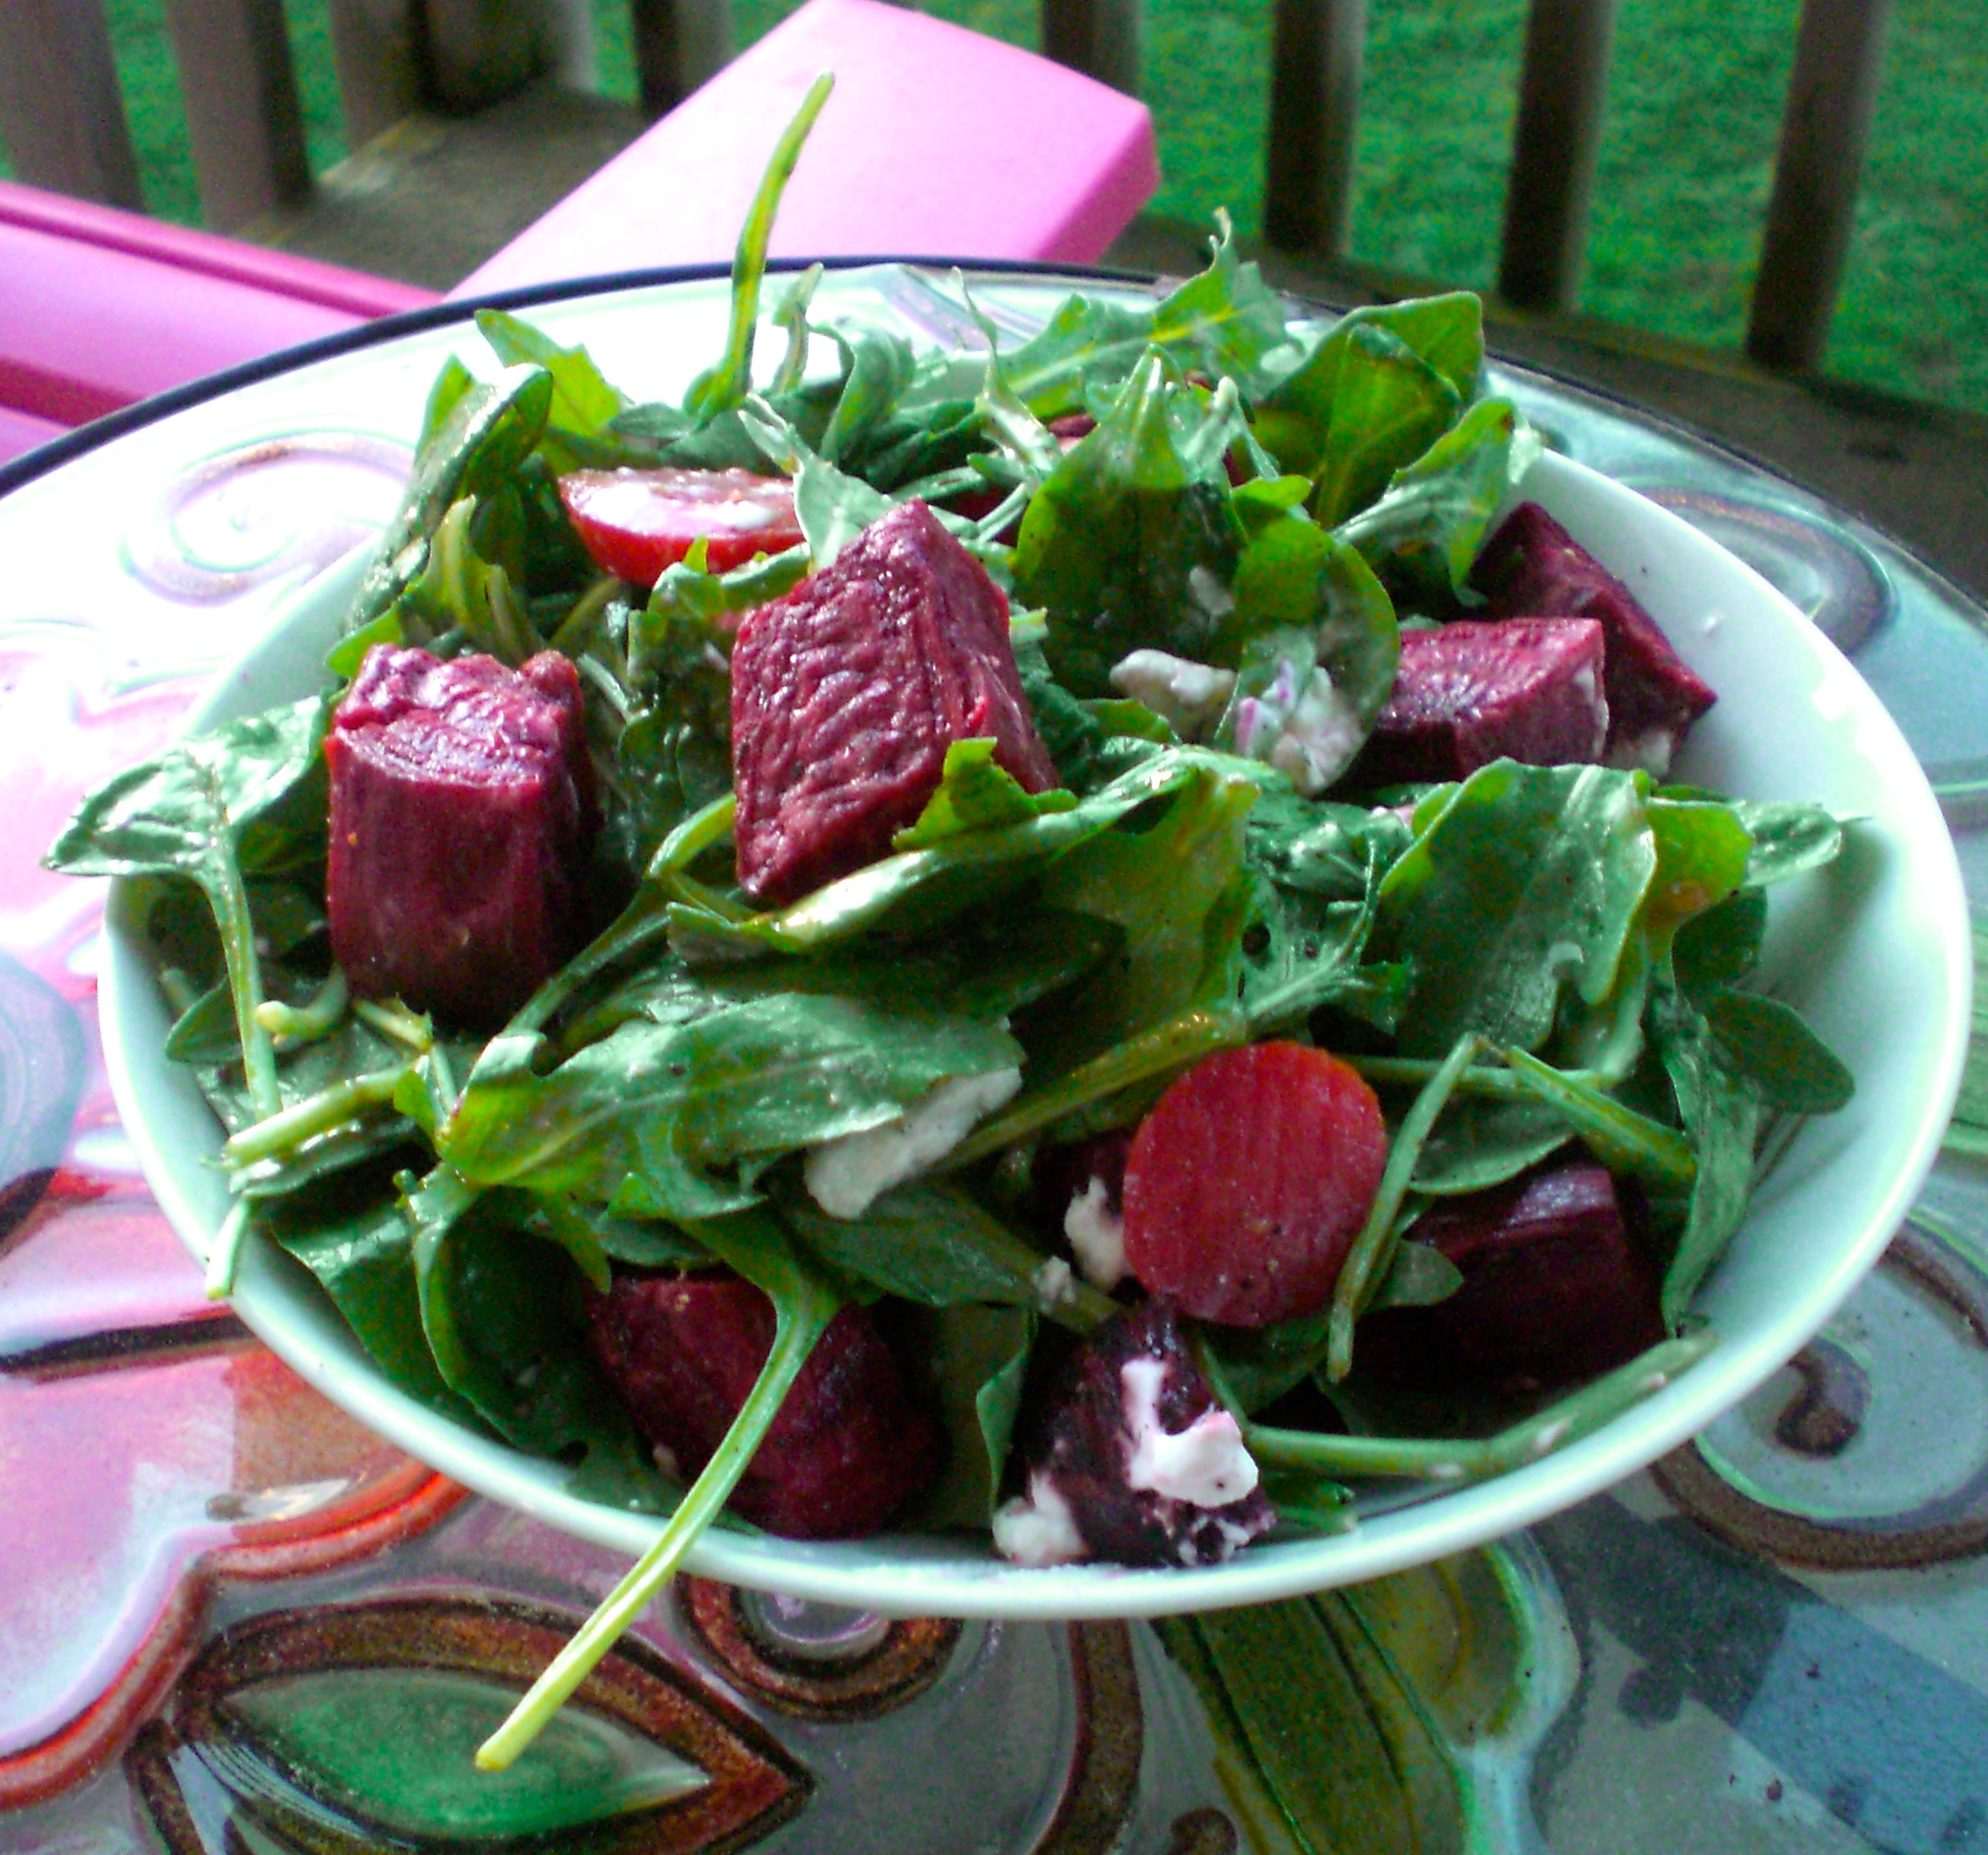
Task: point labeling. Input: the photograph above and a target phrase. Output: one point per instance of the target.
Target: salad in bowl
(1063, 976)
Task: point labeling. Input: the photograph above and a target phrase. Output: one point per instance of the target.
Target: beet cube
(1129, 1458)
(1469, 693)
(1556, 1290)
(847, 693)
(848, 1447)
(462, 815)
(1533, 568)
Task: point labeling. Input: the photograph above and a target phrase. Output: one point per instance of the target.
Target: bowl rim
(968, 1582)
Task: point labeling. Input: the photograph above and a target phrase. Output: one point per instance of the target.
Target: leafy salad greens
(1527, 956)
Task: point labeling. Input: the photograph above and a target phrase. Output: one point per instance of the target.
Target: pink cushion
(22, 431)
(937, 142)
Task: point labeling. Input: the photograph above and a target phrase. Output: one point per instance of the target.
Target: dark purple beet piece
(462, 813)
(1468, 693)
(1129, 1458)
(1556, 1288)
(848, 1448)
(1533, 568)
(847, 693)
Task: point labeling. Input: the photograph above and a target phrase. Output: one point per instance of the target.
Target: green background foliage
(1687, 160)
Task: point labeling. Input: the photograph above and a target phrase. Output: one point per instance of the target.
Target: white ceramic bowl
(1876, 951)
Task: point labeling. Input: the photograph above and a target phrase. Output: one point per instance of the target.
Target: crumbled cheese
(1054, 1284)
(1649, 752)
(845, 1175)
(1038, 1529)
(1097, 1236)
(1320, 737)
(1189, 695)
(1206, 1465)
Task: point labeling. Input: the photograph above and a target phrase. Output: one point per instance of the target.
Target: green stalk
(1366, 1262)
(573, 628)
(393, 1020)
(308, 1023)
(1621, 1138)
(1172, 1045)
(693, 836)
(795, 1332)
(1438, 1459)
(1480, 1078)
(226, 1251)
(290, 1128)
(229, 897)
(731, 380)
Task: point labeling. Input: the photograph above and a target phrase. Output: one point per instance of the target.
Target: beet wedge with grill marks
(847, 693)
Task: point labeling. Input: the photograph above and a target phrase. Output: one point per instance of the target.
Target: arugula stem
(1623, 1139)
(693, 836)
(394, 1020)
(229, 897)
(1172, 1045)
(1480, 1078)
(575, 627)
(226, 1251)
(795, 1332)
(308, 1023)
(1365, 1263)
(1440, 1458)
(289, 1128)
(730, 381)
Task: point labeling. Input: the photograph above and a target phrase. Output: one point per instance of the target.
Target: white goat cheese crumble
(844, 1176)
(1097, 1236)
(1038, 1529)
(1189, 697)
(1206, 1465)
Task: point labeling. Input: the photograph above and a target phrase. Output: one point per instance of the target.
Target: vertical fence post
(1839, 51)
(1100, 38)
(376, 46)
(243, 116)
(678, 45)
(1553, 150)
(1318, 47)
(61, 113)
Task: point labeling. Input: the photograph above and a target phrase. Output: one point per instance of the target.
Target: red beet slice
(1128, 1457)
(635, 523)
(1467, 694)
(1248, 1182)
(1556, 1288)
(462, 813)
(848, 1448)
(847, 693)
(1533, 568)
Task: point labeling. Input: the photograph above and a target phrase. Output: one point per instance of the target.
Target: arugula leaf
(642, 1119)
(1426, 530)
(488, 432)
(583, 401)
(979, 1360)
(932, 1243)
(1132, 543)
(1522, 882)
(976, 793)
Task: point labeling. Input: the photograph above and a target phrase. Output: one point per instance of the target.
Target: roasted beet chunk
(847, 693)
(462, 813)
(1555, 1289)
(1533, 568)
(1467, 694)
(1129, 1458)
(848, 1448)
